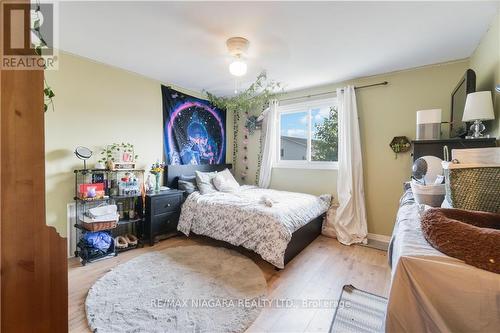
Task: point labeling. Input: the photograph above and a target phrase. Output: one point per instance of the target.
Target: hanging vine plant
(248, 101)
(48, 93)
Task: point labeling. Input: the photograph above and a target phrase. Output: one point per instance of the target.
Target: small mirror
(84, 154)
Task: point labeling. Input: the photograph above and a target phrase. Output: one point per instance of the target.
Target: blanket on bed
(260, 220)
(471, 236)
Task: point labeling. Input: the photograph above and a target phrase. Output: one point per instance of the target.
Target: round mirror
(83, 153)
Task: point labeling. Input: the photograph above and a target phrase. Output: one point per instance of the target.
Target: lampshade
(432, 116)
(478, 106)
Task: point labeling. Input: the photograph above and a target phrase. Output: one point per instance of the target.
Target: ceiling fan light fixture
(238, 67)
(237, 47)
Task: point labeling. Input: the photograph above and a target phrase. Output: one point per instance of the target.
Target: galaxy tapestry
(194, 130)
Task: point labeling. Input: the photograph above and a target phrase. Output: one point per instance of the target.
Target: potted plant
(117, 153)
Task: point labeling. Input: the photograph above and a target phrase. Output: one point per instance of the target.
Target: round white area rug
(181, 289)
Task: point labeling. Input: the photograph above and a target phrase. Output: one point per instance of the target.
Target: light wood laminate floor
(317, 273)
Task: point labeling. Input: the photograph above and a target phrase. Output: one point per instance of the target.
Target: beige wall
(485, 61)
(96, 105)
(384, 112)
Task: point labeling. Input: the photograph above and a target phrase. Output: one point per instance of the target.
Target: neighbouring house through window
(308, 135)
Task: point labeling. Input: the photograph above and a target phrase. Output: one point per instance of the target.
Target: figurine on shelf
(156, 169)
(150, 186)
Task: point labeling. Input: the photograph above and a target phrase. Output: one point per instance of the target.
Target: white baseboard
(380, 238)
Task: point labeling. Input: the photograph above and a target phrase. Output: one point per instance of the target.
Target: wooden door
(34, 283)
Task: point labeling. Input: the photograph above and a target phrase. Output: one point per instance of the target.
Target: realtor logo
(28, 35)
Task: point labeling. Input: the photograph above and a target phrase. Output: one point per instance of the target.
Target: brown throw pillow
(471, 236)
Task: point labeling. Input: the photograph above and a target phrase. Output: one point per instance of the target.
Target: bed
(432, 292)
(277, 233)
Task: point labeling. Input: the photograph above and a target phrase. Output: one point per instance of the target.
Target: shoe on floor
(131, 239)
(121, 242)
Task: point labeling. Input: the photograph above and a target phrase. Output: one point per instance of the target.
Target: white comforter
(242, 218)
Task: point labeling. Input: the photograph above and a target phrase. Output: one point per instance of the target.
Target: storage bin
(431, 195)
(473, 186)
(99, 226)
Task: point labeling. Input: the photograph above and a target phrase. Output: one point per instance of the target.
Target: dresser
(435, 147)
(162, 214)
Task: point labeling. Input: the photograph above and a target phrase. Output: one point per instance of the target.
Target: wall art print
(194, 131)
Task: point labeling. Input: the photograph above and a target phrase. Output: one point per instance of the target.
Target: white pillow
(204, 182)
(225, 182)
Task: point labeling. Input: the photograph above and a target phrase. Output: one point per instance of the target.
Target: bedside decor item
(83, 153)
(400, 144)
(429, 124)
(478, 107)
(157, 169)
(149, 287)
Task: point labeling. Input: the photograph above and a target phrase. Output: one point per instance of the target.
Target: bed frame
(301, 238)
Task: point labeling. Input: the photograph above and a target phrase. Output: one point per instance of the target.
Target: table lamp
(429, 124)
(478, 107)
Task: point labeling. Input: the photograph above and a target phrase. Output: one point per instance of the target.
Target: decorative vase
(157, 184)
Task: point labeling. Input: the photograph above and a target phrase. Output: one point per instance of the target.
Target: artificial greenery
(400, 144)
(108, 152)
(254, 98)
(47, 90)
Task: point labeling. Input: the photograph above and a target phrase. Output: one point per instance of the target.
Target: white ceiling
(301, 44)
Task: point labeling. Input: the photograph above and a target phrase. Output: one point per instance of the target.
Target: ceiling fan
(238, 47)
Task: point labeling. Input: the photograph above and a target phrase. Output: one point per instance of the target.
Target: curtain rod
(384, 83)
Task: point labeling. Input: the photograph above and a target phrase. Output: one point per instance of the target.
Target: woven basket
(473, 186)
(100, 226)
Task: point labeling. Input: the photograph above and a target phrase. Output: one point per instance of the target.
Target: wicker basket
(100, 226)
(473, 186)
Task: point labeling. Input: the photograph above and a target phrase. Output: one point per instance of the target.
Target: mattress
(261, 220)
(433, 292)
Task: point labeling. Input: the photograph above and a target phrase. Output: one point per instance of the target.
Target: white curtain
(349, 219)
(269, 125)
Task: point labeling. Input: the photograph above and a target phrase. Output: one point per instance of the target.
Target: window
(308, 135)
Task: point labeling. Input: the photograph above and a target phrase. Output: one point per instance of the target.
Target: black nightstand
(162, 214)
